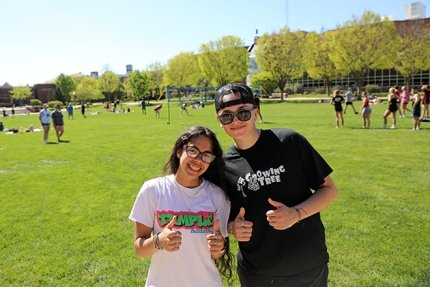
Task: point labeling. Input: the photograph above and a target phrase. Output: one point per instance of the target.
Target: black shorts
(348, 103)
(317, 277)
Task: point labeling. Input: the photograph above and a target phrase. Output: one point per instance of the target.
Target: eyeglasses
(194, 152)
(227, 118)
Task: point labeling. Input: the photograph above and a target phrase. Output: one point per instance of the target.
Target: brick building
(39, 91)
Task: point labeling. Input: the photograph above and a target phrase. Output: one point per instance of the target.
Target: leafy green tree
(318, 64)
(155, 76)
(281, 55)
(20, 93)
(414, 50)
(66, 85)
(265, 81)
(88, 89)
(137, 84)
(182, 70)
(362, 44)
(224, 61)
(109, 84)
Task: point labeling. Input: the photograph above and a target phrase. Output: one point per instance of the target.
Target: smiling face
(242, 132)
(190, 169)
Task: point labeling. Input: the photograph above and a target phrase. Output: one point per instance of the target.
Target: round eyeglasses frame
(194, 152)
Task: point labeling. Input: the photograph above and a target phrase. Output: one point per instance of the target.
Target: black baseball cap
(246, 96)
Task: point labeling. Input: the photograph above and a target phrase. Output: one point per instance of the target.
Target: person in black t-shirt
(58, 122)
(337, 101)
(277, 183)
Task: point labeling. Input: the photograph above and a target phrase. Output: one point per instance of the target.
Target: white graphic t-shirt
(158, 201)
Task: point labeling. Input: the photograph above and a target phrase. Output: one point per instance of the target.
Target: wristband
(157, 242)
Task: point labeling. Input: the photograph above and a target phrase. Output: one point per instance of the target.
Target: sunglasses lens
(226, 118)
(244, 115)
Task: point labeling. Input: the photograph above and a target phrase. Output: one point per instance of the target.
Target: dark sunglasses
(227, 118)
(194, 152)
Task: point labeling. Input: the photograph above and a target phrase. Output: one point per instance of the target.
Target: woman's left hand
(215, 241)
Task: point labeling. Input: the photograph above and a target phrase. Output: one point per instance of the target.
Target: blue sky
(41, 39)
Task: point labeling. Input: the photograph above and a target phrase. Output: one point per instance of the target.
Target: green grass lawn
(64, 207)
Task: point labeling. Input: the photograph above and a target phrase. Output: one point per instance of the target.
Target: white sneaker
(393, 126)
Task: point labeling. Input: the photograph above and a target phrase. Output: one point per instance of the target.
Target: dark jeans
(317, 277)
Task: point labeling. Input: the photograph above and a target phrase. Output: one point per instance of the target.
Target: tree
(363, 44)
(21, 93)
(182, 70)
(414, 50)
(66, 85)
(109, 84)
(88, 89)
(224, 61)
(265, 81)
(137, 84)
(281, 55)
(155, 76)
(317, 61)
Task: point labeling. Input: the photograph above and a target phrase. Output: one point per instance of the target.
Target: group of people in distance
(398, 99)
(266, 191)
(45, 117)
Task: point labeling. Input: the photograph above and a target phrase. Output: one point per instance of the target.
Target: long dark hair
(214, 174)
(215, 171)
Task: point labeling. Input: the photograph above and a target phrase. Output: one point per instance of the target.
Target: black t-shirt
(337, 102)
(281, 165)
(57, 117)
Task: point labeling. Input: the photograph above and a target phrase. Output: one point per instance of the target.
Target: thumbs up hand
(170, 240)
(282, 217)
(240, 228)
(216, 241)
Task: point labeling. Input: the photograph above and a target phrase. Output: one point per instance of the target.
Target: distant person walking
(58, 122)
(83, 110)
(366, 111)
(392, 108)
(45, 121)
(349, 101)
(69, 109)
(426, 100)
(143, 106)
(157, 110)
(337, 102)
(4, 112)
(404, 100)
(416, 109)
(13, 110)
(184, 108)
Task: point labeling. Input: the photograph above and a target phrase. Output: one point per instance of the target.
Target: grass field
(64, 207)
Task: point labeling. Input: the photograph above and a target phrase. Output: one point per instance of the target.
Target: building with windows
(415, 10)
(382, 78)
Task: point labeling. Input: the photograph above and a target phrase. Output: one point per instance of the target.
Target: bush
(372, 89)
(294, 89)
(51, 104)
(35, 102)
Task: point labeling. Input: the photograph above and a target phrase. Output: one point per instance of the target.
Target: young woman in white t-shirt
(181, 218)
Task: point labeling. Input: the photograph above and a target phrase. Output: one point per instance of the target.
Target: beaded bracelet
(157, 242)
